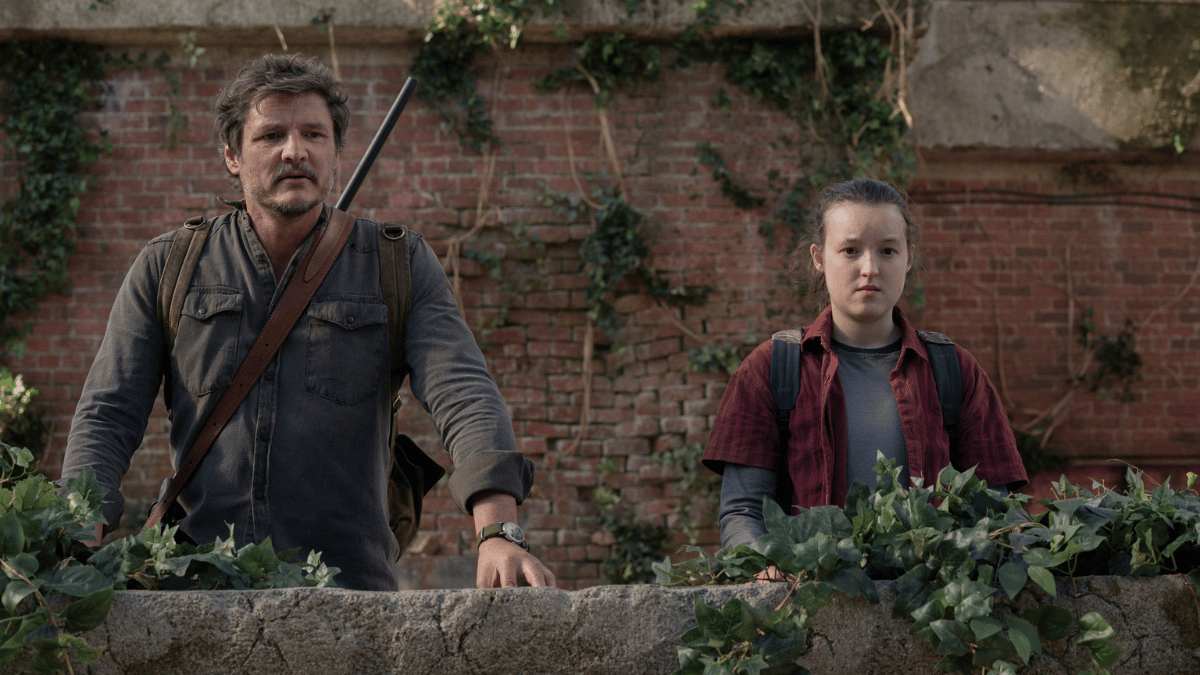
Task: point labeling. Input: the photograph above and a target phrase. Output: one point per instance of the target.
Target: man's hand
(771, 575)
(99, 537)
(502, 564)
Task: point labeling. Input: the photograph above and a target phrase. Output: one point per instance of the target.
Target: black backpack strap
(947, 375)
(785, 377)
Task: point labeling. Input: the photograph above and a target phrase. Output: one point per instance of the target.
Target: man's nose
(293, 149)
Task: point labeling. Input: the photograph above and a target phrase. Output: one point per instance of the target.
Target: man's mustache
(290, 170)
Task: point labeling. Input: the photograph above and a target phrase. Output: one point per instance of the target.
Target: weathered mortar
(623, 630)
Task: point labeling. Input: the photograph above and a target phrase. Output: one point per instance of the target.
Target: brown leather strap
(300, 290)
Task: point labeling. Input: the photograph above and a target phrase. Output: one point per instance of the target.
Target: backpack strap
(785, 377)
(181, 264)
(412, 473)
(947, 376)
(395, 279)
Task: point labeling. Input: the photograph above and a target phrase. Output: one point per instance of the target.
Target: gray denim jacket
(305, 458)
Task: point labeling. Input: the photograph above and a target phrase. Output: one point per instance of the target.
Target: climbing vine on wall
(461, 32)
(974, 573)
(48, 86)
(842, 99)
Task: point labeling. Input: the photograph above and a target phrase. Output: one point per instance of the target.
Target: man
(304, 459)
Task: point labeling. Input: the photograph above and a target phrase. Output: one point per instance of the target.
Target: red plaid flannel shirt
(813, 472)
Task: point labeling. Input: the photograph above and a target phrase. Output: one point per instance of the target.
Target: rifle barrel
(381, 136)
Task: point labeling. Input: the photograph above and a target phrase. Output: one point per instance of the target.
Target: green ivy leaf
(1024, 637)
(1040, 557)
(985, 627)
(1012, 578)
(88, 612)
(15, 592)
(1053, 623)
(22, 564)
(1106, 655)
(77, 581)
(1094, 631)
(12, 535)
(86, 653)
(1042, 577)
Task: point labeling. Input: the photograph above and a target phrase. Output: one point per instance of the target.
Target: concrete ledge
(608, 629)
(221, 22)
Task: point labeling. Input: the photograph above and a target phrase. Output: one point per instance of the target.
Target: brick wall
(1126, 261)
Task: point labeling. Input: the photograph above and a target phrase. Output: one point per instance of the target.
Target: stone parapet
(622, 630)
(219, 22)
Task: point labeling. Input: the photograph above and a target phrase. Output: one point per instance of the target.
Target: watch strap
(500, 530)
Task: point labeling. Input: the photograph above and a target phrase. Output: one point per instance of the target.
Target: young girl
(866, 385)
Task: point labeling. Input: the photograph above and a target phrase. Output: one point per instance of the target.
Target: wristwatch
(510, 531)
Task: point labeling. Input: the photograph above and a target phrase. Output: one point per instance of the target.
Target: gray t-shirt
(872, 419)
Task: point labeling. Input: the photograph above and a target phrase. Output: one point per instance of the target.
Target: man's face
(288, 153)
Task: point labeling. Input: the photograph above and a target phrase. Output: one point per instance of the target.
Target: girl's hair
(864, 191)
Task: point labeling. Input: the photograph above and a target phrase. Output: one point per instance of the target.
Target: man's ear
(818, 263)
(232, 161)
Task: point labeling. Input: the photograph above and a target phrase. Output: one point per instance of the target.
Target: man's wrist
(503, 530)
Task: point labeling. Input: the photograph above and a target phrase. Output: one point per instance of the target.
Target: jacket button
(259, 495)
(350, 319)
(264, 437)
(203, 311)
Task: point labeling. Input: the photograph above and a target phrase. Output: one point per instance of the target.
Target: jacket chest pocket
(347, 347)
(206, 345)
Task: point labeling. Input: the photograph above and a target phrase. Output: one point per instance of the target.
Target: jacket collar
(819, 335)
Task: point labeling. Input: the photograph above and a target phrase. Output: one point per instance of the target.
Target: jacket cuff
(507, 472)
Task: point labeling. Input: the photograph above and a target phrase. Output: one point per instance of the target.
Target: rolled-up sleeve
(450, 378)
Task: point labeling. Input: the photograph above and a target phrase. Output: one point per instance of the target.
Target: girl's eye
(849, 250)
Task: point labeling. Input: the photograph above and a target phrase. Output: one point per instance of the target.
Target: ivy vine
(48, 85)
(973, 571)
(462, 31)
(56, 586)
(841, 100)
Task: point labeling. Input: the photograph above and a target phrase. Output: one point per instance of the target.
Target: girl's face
(864, 259)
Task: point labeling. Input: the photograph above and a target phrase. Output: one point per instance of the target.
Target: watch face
(513, 532)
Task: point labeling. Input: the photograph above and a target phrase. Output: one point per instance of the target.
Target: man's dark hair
(277, 74)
